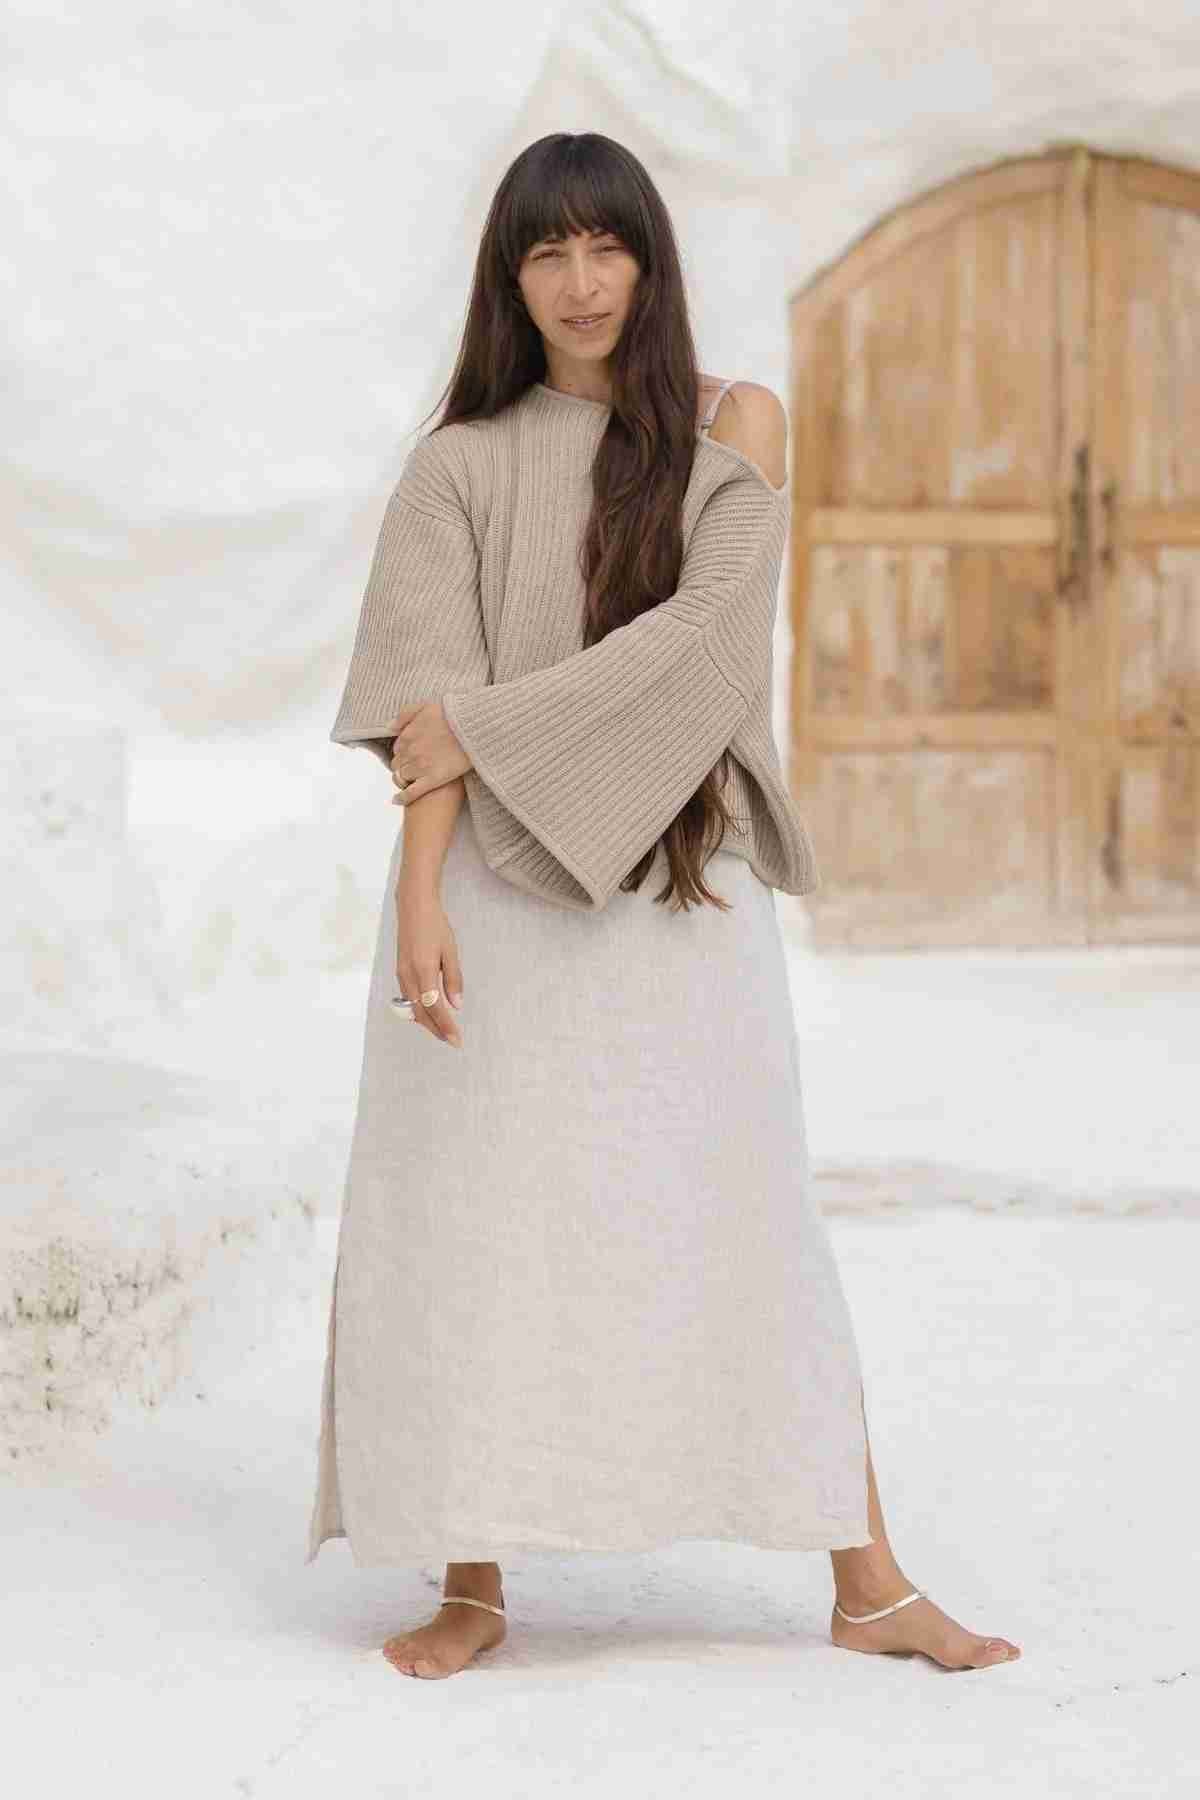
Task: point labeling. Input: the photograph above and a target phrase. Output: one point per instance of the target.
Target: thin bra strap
(717, 398)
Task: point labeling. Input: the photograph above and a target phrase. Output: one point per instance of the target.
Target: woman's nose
(581, 282)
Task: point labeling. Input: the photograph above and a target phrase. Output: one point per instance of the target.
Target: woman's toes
(400, 1654)
(994, 1650)
(443, 1647)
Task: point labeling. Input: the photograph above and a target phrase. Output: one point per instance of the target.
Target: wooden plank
(1160, 525)
(1160, 460)
(810, 456)
(1111, 411)
(1003, 606)
(929, 525)
(1155, 725)
(866, 257)
(1074, 641)
(1146, 928)
(961, 931)
(978, 816)
(1156, 856)
(998, 412)
(936, 731)
(903, 629)
(1148, 474)
(1159, 184)
(929, 628)
(1160, 642)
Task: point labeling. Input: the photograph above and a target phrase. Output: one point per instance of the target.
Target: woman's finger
(408, 983)
(401, 765)
(444, 1023)
(421, 1016)
(452, 975)
(433, 1005)
(413, 791)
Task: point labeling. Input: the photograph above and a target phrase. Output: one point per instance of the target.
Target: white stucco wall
(237, 248)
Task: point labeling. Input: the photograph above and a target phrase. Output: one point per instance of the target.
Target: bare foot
(921, 1629)
(447, 1644)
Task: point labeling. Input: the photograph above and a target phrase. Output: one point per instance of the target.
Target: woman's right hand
(427, 955)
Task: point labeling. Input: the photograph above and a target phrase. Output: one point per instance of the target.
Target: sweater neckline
(728, 451)
(573, 399)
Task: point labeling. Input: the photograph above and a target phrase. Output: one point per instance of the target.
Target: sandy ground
(1008, 1149)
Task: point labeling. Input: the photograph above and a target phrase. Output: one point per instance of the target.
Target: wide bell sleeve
(579, 767)
(420, 626)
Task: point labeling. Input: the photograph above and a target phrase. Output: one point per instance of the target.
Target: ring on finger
(430, 997)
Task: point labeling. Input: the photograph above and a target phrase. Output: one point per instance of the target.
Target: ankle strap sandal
(865, 1618)
(464, 1600)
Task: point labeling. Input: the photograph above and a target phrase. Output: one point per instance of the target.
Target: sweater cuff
(597, 772)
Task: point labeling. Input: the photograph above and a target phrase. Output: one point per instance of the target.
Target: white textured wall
(237, 243)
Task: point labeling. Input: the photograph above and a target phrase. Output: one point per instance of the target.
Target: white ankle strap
(464, 1600)
(865, 1618)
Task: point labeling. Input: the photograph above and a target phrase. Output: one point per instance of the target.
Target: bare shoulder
(752, 418)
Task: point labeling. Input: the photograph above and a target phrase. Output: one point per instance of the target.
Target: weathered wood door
(995, 563)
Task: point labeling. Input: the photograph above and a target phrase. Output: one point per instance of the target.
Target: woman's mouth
(585, 321)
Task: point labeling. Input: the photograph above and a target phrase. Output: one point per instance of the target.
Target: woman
(584, 1299)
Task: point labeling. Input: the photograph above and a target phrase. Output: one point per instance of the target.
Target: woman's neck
(581, 380)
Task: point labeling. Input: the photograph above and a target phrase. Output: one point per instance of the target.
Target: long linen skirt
(583, 1297)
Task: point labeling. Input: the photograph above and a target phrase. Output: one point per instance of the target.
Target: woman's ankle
(474, 1581)
(868, 1578)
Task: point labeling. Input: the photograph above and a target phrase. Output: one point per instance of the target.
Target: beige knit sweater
(582, 757)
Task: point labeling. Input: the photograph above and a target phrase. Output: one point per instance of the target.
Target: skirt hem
(849, 1537)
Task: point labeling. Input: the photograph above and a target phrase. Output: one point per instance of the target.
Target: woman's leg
(868, 1578)
(449, 1641)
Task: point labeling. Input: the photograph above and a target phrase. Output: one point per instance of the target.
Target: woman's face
(573, 278)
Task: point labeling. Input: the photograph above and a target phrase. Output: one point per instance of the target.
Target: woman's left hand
(426, 753)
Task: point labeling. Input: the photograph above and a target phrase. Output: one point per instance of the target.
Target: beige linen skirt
(583, 1298)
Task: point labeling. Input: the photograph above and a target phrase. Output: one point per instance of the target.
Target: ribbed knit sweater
(582, 757)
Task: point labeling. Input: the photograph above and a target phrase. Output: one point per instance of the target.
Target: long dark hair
(632, 548)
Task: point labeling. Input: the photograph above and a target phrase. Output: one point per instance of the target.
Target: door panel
(931, 628)
(995, 562)
(982, 818)
(925, 566)
(1147, 433)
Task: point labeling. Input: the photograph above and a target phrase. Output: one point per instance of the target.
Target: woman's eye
(556, 250)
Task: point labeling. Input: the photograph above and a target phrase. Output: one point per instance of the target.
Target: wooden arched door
(995, 562)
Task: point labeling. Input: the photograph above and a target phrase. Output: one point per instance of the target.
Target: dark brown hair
(632, 548)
